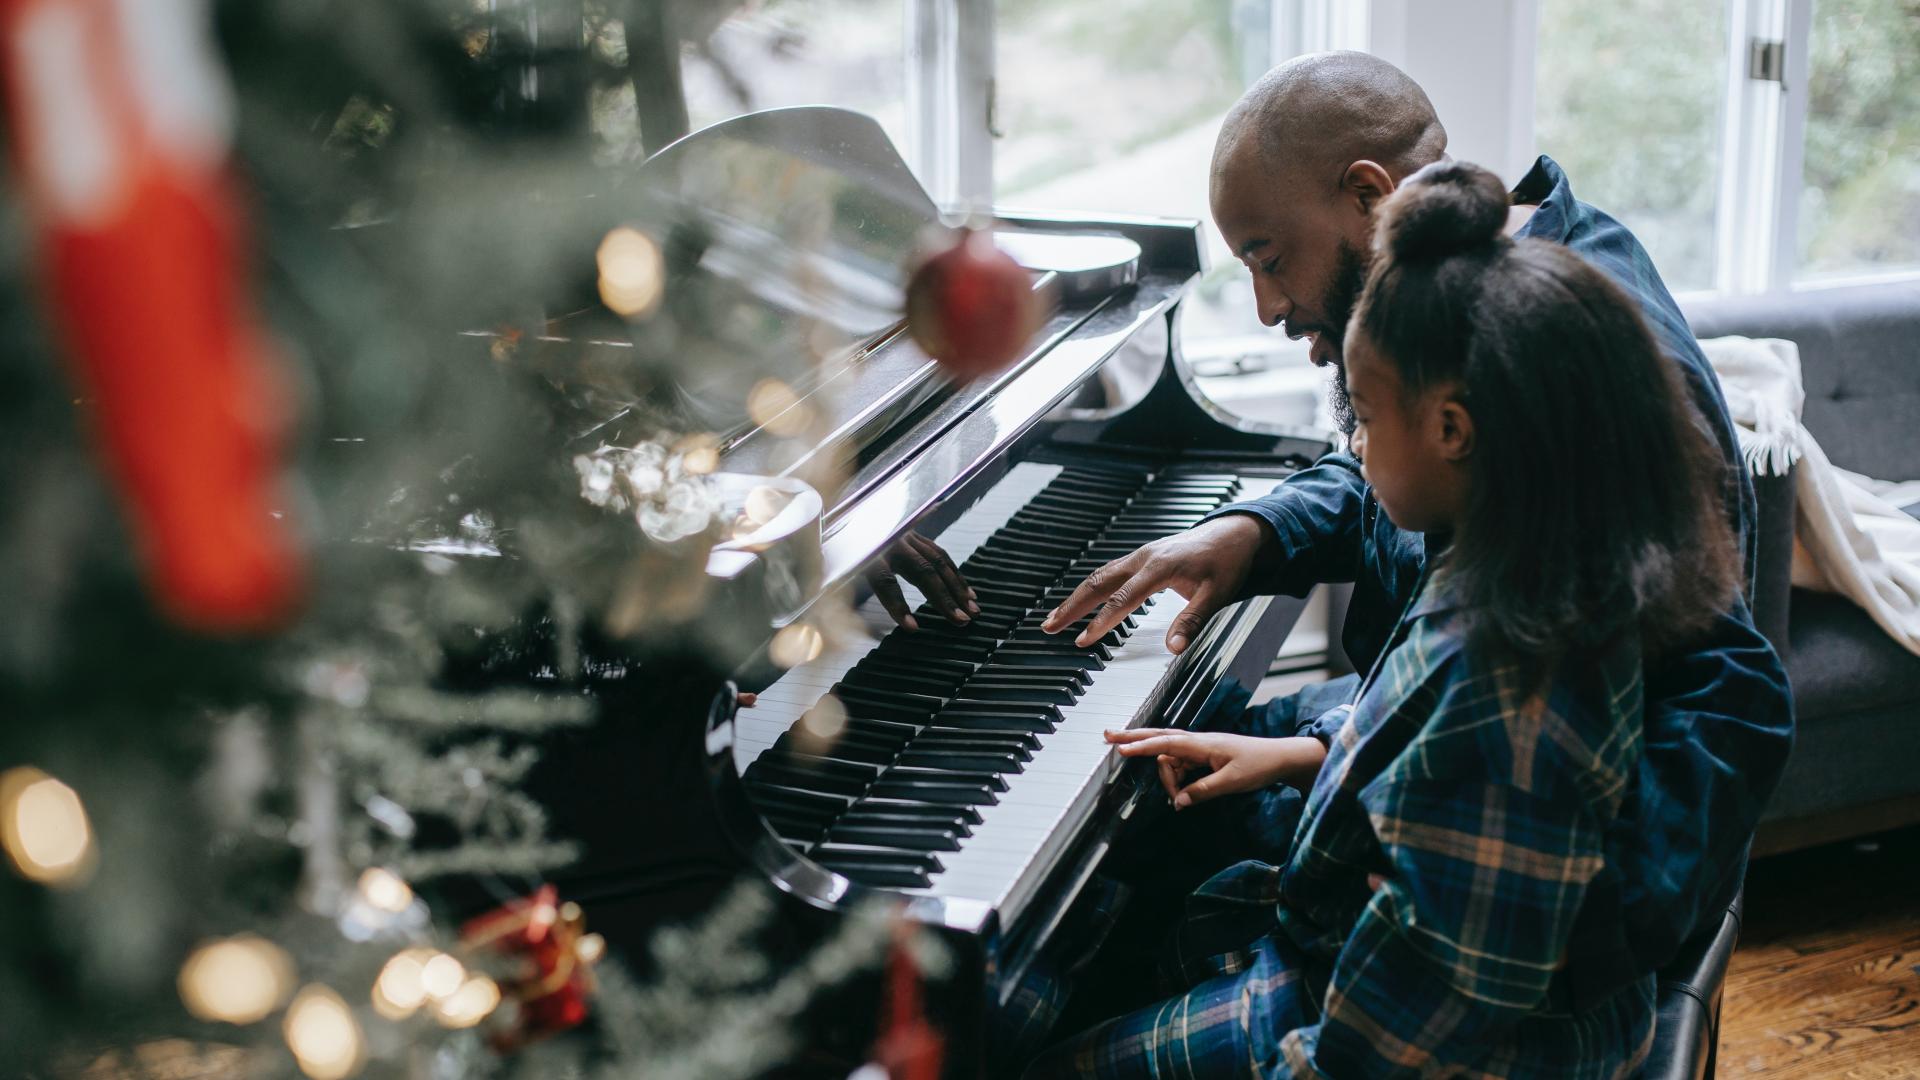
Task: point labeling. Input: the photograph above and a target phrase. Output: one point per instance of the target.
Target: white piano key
(1005, 858)
(1020, 836)
(784, 702)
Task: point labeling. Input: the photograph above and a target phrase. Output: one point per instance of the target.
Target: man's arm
(1315, 524)
(1719, 725)
(1308, 530)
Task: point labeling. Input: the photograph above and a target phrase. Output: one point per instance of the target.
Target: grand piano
(958, 769)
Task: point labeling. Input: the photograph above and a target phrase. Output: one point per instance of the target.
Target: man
(1301, 162)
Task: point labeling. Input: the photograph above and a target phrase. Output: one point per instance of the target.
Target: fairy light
(441, 975)
(775, 406)
(632, 272)
(324, 1037)
(764, 503)
(238, 980)
(795, 644)
(823, 723)
(400, 989)
(591, 948)
(44, 827)
(699, 454)
(384, 890)
(471, 1003)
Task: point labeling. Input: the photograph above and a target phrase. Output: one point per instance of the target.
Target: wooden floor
(1826, 982)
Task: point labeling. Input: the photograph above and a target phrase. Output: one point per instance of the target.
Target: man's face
(1307, 252)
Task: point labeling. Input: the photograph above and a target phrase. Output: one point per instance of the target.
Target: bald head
(1302, 161)
(1314, 115)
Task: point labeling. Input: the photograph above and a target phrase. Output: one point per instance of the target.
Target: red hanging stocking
(119, 116)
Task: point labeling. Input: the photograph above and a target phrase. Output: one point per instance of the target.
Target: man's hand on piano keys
(1233, 763)
(1207, 564)
(927, 568)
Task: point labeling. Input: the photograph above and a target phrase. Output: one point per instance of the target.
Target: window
(1813, 134)
(1113, 105)
(745, 57)
(1628, 99)
(1859, 208)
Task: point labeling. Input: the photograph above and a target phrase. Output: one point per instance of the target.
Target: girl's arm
(1232, 763)
(1491, 825)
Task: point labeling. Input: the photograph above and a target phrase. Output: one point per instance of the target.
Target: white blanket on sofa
(1849, 538)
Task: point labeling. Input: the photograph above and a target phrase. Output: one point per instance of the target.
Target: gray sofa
(1856, 758)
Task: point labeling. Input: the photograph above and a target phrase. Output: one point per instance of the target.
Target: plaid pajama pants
(1235, 987)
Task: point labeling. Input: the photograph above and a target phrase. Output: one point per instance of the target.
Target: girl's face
(1412, 447)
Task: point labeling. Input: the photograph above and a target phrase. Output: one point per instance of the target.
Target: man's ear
(1456, 431)
(1367, 183)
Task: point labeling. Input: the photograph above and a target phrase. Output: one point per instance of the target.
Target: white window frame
(949, 52)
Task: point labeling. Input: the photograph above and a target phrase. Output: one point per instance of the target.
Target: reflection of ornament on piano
(121, 116)
(909, 1047)
(971, 306)
(667, 490)
(553, 956)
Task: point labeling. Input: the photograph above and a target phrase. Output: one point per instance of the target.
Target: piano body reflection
(959, 767)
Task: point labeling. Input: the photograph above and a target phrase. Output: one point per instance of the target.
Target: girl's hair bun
(1446, 208)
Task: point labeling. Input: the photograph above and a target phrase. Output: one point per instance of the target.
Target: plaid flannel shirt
(1484, 809)
(1719, 720)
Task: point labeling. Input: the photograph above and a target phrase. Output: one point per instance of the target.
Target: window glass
(1627, 98)
(1860, 206)
(743, 57)
(1113, 105)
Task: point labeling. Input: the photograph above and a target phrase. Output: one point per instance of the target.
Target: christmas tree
(328, 527)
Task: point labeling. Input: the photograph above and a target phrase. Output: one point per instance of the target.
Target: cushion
(1841, 661)
(1859, 361)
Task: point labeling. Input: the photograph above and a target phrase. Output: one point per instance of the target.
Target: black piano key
(1011, 657)
(942, 793)
(792, 827)
(892, 731)
(1076, 675)
(897, 875)
(798, 802)
(918, 774)
(765, 772)
(874, 804)
(881, 678)
(1037, 692)
(958, 820)
(1055, 546)
(1112, 637)
(860, 701)
(971, 759)
(965, 706)
(847, 745)
(1013, 719)
(850, 854)
(971, 652)
(1011, 738)
(900, 835)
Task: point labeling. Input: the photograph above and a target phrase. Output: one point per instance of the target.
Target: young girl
(1449, 896)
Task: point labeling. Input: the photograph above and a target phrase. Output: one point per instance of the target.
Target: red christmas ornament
(120, 119)
(909, 1047)
(554, 955)
(971, 307)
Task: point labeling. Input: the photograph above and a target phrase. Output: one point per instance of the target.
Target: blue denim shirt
(1719, 720)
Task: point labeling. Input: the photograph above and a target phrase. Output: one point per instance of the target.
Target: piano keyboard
(954, 759)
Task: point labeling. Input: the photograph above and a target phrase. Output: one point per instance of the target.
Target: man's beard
(1343, 292)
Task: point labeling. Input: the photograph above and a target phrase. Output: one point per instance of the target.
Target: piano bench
(1686, 1026)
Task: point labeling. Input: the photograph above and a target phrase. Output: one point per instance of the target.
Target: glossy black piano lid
(795, 228)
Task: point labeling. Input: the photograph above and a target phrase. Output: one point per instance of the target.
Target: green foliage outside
(1629, 95)
(1627, 99)
(1861, 206)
